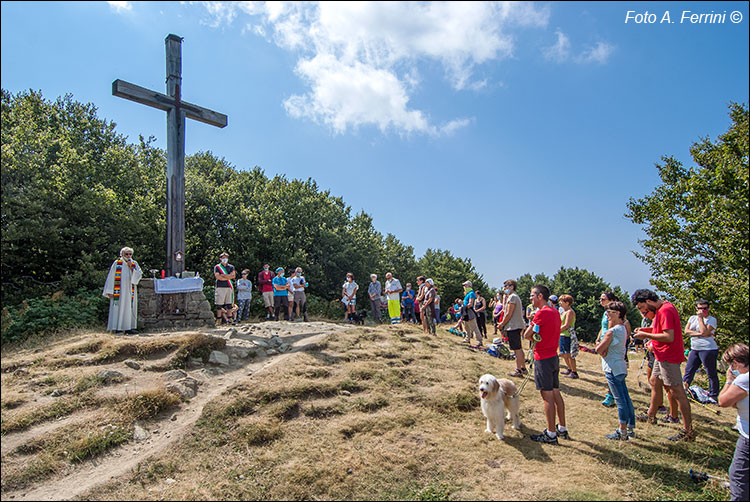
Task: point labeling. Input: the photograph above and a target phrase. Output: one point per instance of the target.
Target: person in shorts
(349, 297)
(567, 330)
(224, 291)
(666, 338)
(265, 286)
(546, 324)
(512, 324)
(299, 285)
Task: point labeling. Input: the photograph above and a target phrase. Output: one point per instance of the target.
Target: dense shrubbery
(53, 313)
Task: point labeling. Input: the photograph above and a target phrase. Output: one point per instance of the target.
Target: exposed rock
(346, 393)
(173, 417)
(20, 371)
(140, 434)
(231, 333)
(190, 383)
(218, 357)
(132, 364)
(110, 376)
(174, 375)
(243, 353)
(272, 352)
(181, 390)
(195, 363)
(56, 393)
(284, 348)
(261, 344)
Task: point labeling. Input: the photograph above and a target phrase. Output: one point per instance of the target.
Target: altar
(173, 303)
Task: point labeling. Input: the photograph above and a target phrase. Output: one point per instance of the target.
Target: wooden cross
(176, 110)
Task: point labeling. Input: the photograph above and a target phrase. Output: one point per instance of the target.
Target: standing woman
(349, 297)
(568, 320)
(480, 308)
(605, 299)
(735, 393)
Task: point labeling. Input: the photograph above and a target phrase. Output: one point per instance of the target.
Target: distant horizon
(529, 126)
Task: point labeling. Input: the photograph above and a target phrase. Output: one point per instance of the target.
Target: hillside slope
(359, 413)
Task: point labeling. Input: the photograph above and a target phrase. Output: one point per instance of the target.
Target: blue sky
(531, 124)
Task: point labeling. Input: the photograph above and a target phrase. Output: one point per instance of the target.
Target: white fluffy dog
(497, 397)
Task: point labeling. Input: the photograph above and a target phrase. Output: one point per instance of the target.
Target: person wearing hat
(280, 294)
(554, 302)
(469, 316)
(224, 291)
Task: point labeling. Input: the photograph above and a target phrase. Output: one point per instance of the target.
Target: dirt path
(86, 476)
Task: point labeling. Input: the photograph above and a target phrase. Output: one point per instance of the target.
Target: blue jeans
(437, 315)
(618, 388)
(708, 359)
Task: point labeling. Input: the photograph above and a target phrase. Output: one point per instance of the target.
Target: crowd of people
(548, 323)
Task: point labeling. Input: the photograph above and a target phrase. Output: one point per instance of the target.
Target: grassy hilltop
(359, 413)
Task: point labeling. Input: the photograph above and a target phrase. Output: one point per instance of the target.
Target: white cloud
(560, 51)
(360, 58)
(121, 6)
(597, 54)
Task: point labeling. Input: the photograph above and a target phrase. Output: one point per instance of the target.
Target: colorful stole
(224, 271)
(118, 280)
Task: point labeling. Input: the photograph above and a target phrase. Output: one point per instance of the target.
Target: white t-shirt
(349, 287)
(393, 284)
(297, 283)
(742, 405)
(702, 342)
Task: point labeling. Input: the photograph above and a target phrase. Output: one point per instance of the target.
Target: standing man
(408, 302)
(546, 323)
(299, 285)
(513, 324)
(120, 288)
(224, 291)
(701, 329)
(280, 294)
(265, 286)
(427, 307)
(666, 336)
(469, 316)
(393, 291)
(419, 299)
(375, 290)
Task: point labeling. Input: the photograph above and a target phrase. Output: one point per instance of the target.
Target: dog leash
(536, 338)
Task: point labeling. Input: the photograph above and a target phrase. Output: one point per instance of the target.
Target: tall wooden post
(175, 160)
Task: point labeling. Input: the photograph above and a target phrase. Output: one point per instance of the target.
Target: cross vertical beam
(177, 111)
(175, 159)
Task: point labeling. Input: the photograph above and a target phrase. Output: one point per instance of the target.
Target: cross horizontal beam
(154, 99)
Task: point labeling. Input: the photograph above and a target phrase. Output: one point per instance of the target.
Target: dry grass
(388, 413)
(372, 413)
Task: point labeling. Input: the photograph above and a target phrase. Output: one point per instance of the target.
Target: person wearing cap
(224, 291)
(374, 291)
(265, 286)
(469, 316)
(393, 291)
(554, 302)
(280, 294)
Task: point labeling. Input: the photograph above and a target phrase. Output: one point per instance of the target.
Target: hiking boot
(631, 433)
(617, 435)
(669, 419)
(561, 434)
(609, 401)
(645, 417)
(543, 438)
(683, 435)
(516, 373)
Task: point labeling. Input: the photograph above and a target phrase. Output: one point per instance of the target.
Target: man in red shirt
(546, 324)
(265, 285)
(669, 351)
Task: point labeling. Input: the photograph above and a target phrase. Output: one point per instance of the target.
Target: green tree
(449, 273)
(696, 222)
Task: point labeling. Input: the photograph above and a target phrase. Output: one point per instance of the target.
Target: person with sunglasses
(704, 350)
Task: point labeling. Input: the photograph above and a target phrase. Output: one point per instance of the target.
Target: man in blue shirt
(407, 300)
(280, 294)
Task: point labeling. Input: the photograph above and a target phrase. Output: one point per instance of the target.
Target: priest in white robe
(120, 288)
